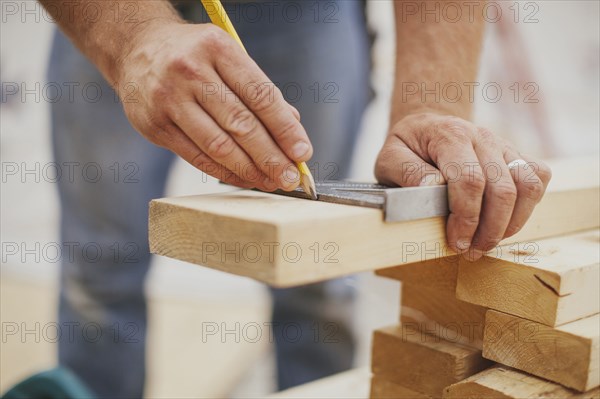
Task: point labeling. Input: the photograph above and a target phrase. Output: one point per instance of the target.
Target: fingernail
(269, 184)
(300, 149)
(463, 245)
(290, 176)
(428, 180)
(474, 255)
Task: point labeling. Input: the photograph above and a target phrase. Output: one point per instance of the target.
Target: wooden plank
(441, 314)
(439, 274)
(422, 362)
(567, 354)
(552, 281)
(288, 241)
(384, 389)
(504, 383)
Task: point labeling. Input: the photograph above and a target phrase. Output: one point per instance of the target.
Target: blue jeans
(323, 70)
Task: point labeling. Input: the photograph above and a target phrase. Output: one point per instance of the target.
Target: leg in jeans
(318, 54)
(102, 308)
(325, 56)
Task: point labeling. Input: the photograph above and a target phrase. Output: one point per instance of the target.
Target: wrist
(407, 102)
(400, 113)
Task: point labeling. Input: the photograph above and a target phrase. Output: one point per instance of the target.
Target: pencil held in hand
(219, 17)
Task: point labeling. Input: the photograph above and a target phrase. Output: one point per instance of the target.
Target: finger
(183, 146)
(295, 112)
(217, 144)
(226, 109)
(530, 189)
(266, 101)
(466, 185)
(499, 199)
(399, 165)
(542, 170)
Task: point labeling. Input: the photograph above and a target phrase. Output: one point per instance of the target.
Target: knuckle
(532, 190)
(451, 136)
(241, 123)
(474, 183)
(505, 193)
(156, 129)
(173, 110)
(158, 93)
(213, 38)
(486, 136)
(260, 95)
(287, 130)
(183, 64)
(454, 127)
(220, 146)
(469, 221)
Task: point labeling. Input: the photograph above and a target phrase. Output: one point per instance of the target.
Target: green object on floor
(58, 383)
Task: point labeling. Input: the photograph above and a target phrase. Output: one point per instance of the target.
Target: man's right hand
(198, 94)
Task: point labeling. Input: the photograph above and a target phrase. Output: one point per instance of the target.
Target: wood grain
(384, 389)
(567, 354)
(422, 362)
(501, 382)
(552, 281)
(441, 314)
(439, 274)
(288, 241)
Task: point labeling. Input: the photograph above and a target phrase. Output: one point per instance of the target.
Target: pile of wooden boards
(522, 322)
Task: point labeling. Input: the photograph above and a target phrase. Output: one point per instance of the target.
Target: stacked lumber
(544, 303)
(532, 305)
(506, 383)
(532, 308)
(419, 363)
(438, 340)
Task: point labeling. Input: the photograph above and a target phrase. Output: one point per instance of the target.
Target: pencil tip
(308, 185)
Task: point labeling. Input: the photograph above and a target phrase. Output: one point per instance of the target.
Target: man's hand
(201, 96)
(193, 90)
(488, 201)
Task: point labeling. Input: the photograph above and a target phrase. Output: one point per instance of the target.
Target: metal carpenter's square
(398, 204)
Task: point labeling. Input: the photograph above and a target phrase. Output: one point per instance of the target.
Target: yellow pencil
(219, 17)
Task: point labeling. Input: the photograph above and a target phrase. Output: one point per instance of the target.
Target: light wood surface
(288, 241)
(439, 274)
(567, 354)
(384, 389)
(441, 314)
(552, 281)
(505, 383)
(422, 362)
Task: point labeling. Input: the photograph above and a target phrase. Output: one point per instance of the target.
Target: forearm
(434, 58)
(106, 30)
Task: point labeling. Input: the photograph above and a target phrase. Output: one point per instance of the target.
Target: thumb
(398, 165)
(295, 112)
